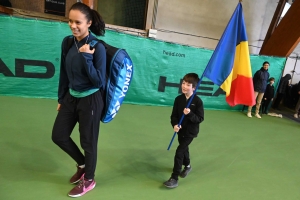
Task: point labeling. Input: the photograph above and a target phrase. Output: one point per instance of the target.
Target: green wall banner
(30, 62)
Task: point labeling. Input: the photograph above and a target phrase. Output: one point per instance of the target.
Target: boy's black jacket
(190, 123)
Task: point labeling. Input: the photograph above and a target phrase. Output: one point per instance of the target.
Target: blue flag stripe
(221, 62)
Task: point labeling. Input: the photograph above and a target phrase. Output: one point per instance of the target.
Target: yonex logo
(127, 80)
(124, 89)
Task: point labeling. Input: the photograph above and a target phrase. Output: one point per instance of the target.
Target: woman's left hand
(86, 49)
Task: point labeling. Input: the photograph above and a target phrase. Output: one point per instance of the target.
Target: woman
(82, 79)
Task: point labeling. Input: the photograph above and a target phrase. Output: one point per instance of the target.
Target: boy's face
(187, 88)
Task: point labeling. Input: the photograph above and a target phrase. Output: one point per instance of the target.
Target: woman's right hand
(86, 49)
(58, 107)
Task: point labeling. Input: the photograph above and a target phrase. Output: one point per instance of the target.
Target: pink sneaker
(83, 187)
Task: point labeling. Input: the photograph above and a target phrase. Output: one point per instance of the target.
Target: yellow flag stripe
(241, 66)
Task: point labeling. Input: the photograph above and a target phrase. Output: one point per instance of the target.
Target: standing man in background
(260, 80)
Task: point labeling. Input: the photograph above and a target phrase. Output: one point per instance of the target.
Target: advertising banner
(31, 53)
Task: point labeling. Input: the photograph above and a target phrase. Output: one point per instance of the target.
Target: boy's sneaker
(171, 183)
(83, 187)
(249, 114)
(77, 176)
(185, 172)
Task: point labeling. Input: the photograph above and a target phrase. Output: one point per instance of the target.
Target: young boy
(188, 129)
(268, 96)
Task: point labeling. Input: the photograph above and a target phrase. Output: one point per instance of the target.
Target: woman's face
(79, 24)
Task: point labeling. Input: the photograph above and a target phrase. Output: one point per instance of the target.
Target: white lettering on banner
(127, 80)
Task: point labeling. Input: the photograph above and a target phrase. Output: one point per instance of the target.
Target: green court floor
(233, 158)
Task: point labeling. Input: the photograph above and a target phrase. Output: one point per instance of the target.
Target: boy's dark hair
(98, 26)
(271, 79)
(192, 78)
(266, 62)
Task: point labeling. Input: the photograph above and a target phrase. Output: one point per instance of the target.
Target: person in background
(283, 84)
(268, 95)
(260, 81)
(296, 115)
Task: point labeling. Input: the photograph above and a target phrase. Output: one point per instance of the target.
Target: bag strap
(93, 44)
(67, 44)
(70, 42)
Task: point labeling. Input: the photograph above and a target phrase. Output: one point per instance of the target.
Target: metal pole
(294, 69)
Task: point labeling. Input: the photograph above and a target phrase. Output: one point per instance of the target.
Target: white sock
(81, 166)
(188, 166)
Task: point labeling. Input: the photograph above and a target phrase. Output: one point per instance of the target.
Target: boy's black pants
(182, 155)
(265, 105)
(87, 112)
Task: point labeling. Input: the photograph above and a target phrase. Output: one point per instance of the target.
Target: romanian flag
(229, 67)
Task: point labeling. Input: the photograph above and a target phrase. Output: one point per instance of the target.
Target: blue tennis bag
(119, 72)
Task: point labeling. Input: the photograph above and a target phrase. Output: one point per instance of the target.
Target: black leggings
(87, 112)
